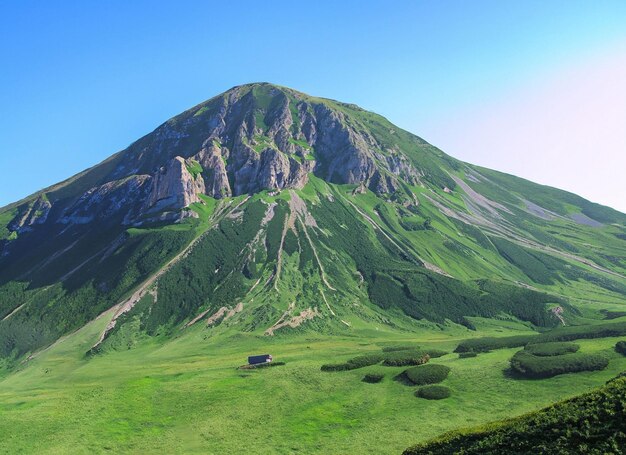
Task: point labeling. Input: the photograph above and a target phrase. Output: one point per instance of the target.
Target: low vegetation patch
(427, 374)
(373, 378)
(620, 347)
(551, 349)
(354, 363)
(433, 392)
(194, 168)
(487, 344)
(406, 358)
(608, 315)
(536, 367)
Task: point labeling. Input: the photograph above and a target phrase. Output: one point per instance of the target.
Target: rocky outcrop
(31, 215)
(174, 187)
(213, 158)
(343, 153)
(113, 200)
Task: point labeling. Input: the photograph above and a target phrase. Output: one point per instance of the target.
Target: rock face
(252, 138)
(173, 187)
(113, 200)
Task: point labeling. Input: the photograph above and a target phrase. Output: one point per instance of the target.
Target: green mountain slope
(268, 211)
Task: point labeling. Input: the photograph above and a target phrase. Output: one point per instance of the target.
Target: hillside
(591, 423)
(274, 212)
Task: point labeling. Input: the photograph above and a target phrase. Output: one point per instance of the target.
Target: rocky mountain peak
(251, 138)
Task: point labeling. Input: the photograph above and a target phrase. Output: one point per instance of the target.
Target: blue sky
(82, 80)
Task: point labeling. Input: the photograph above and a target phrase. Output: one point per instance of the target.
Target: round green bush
(433, 392)
(427, 374)
(620, 347)
(552, 348)
(373, 378)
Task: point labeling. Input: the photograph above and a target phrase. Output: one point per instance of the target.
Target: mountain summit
(266, 210)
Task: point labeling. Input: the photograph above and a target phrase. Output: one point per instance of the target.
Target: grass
(194, 168)
(187, 395)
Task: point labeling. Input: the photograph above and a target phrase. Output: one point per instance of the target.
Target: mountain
(269, 211)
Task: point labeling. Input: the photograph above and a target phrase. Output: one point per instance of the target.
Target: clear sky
(533, 88)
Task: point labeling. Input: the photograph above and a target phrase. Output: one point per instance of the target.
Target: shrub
(551, 349)
(373, 378)
(620, 347)
(406, 358)
(609, 329)
(536, 367)
(401, 359)
(466, 355)
(427, 374)
(487, 344)
(354, 363)
(433, 392)
(613, 314)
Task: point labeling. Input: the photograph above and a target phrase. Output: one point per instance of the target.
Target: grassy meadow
(186, 395)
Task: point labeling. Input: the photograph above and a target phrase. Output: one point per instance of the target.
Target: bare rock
(174, 187)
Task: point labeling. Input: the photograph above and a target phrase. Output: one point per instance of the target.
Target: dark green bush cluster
(487, 344)
(620, 347)
(605, 330)
(590, 423)
(552, 348)
(536, 367)
(526, 260)
(433, 392)
(416, 357)
(613, 314)
(354, 363)
(427, 374)
(373, 378)
(467, 355)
